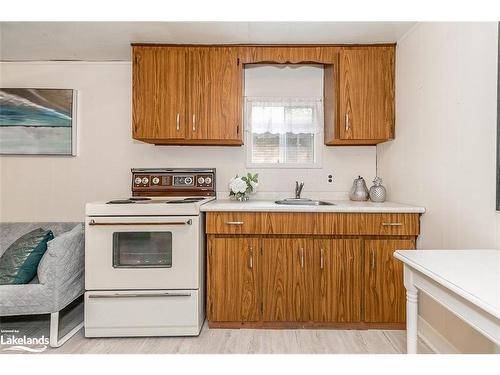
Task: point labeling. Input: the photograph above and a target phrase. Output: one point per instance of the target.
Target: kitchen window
(284, 131)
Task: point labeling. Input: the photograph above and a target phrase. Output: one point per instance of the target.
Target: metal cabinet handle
(188, 222)
(194, 122)
(392, 224)
(347, 122)
(134, 295)
(250, 261)
(322, 258)
(372, 262)
(301, 254)
(178, 121)
(235, 222)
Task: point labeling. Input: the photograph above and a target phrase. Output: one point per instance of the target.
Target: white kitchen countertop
(254, 205)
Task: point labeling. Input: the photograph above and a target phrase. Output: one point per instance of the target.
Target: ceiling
(103, 41)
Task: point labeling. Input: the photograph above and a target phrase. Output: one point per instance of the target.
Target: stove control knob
(138, 180)
(188, 180)
(155, 180)
(208, 180)
(201, 180)
(145, 180)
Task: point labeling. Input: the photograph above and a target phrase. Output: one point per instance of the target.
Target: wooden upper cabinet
(233, 291)
(158, 93)
(215, 94)
(366, 97)
(385, 300)
(193, 95)
(187, 95)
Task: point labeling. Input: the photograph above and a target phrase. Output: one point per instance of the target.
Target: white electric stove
(144, 256)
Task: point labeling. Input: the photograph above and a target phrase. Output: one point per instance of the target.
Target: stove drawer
(143, 313)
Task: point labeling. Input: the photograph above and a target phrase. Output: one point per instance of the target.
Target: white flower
(237, 185)
(254, 185)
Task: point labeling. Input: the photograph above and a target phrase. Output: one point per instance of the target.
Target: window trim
(318, 147)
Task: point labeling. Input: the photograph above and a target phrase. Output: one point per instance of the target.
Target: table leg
(411, 312)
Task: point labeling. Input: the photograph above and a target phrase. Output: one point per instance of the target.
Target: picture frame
(38, 121)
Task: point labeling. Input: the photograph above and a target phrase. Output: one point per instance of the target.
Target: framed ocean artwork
(37, 121)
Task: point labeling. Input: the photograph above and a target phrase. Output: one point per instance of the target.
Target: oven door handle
(188, 222)
(134, 295)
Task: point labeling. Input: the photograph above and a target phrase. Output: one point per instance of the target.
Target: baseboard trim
(306, 325)
(433, 339)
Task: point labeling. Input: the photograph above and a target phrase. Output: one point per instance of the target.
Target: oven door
(142, 252)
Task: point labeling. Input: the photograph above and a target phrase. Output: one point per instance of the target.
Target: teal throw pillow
(18, 264)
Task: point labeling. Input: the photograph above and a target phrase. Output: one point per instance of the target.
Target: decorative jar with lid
(377, 191)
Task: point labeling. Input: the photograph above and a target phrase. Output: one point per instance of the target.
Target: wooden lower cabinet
(385, 300)
(337, 273)
(233, 290)
(286, 279)
(307, 280)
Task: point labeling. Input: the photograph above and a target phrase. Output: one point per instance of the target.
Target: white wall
(56, 188)
(444, 154)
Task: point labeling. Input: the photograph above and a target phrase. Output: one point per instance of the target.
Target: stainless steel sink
(303, 202)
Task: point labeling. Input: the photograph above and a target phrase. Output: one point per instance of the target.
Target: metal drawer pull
(322, 258)
(177, 122)
(301, 253)
(188, 222)
(250, 261)
(133, 295)
(194, 122)
(346, 122)
(392, 224)
(373, 260)
(235, 222)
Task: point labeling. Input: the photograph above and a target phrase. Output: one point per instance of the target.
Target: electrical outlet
(329, 178)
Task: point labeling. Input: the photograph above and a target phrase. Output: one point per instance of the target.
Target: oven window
(142, 249)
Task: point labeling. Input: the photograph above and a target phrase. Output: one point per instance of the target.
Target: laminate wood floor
(219, 341)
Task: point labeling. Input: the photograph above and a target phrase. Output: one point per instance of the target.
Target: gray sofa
(59, 280)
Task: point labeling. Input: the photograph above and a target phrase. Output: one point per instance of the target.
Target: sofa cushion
(66, 250)
(19, 263)
(11, 231)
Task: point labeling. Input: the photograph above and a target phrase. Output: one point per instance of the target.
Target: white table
(466, 282)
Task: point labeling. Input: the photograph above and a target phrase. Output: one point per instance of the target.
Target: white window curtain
(283, 131)
(281, 115)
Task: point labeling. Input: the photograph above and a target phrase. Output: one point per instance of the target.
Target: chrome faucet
(298, 189)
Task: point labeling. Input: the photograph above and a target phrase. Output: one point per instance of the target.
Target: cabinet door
(233, 282)
(215, 96)
(385, 297)
(159, 93)
(367, 94)
(337, 273)
(287, 280)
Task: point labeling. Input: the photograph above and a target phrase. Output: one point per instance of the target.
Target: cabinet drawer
(367, 224)
(391, 224)
(260, 223)
(235, 222)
